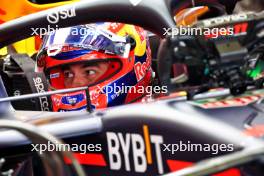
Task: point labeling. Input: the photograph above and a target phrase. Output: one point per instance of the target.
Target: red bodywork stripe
(255, 131)
(175, 165)
(229, 172)
(2, 12)
(88, 159)
(178, 165)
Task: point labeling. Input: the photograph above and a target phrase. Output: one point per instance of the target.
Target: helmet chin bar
(53, 161)
(36, 95)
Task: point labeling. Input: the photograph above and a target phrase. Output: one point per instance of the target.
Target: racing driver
(106, 57)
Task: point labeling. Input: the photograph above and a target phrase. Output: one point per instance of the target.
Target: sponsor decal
(55, 16)
(141, 68)
(225, 19)
(54, 75)
(242, 100)
(121, 146)
(72, 100)
(38, 83)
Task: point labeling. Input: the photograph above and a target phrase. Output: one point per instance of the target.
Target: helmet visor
(87, 37)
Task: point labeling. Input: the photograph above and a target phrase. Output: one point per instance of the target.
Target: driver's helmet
(113, 59)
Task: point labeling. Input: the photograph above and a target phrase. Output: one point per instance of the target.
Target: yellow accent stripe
(147, 142)
(3, 51)
(26, 46)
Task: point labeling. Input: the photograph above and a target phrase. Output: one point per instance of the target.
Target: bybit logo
(123, 145)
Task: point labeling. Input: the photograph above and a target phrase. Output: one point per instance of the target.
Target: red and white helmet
(122, 49)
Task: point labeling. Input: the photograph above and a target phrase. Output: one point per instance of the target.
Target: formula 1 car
(214, 134)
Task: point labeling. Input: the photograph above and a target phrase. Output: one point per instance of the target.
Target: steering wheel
(53, 161)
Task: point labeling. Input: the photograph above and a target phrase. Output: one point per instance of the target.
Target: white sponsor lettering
(40, 89)
(225, 19)
(121, 146)
(55, 16)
